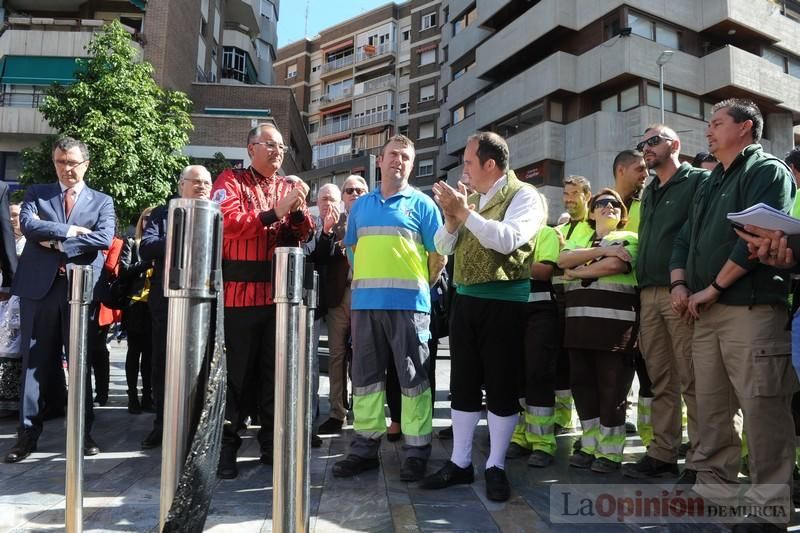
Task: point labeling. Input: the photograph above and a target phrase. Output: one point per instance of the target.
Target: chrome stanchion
(290, 418)
(306, 364)
(192, 281)
(80, 296)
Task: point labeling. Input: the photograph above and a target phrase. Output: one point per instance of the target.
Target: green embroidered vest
(476, 264)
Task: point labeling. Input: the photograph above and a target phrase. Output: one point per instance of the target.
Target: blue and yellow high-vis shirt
(392, 238)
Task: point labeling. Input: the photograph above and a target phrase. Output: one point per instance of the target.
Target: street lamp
(662, 60)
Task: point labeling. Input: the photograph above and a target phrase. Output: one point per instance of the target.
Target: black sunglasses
(354, 190)
(603, 202)
(655, 140)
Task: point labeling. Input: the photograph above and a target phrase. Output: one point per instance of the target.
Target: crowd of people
(642, 279)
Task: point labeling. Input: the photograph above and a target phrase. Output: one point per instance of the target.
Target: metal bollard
(192, 280)
(290, 437)
(80, 296)
(310, 300)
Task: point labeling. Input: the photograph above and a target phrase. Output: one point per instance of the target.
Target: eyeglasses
(655, 140)
(355, 190)
(271, 145)
(69, 164)
(605, 202)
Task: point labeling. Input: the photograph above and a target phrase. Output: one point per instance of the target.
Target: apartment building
(219, 52)
(570, 83)
(363, 80)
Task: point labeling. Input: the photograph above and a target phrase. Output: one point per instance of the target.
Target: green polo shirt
(664, 209)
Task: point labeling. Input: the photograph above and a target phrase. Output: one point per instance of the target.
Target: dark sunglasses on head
(603, 202)
(655, 140)
(354, 190)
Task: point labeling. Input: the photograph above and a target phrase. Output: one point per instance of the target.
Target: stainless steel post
(289, 389)
(192, 279)
(80, 296)
(307, 362)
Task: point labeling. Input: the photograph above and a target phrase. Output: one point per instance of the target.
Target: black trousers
(101, 364)
(138, 323)
(487, 348)
(600, 384)
(250, 356)
(542, 352)
(158, 314)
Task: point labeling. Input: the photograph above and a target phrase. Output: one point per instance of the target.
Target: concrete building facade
(222, 59)
(569, 83)
(361, 81)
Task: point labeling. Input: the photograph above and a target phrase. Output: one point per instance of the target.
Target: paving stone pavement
(122, 483)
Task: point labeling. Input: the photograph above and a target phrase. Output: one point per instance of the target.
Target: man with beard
(630, 173)
(665, 338)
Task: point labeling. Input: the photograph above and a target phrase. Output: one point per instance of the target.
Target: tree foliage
(134, 129)
(215, 166)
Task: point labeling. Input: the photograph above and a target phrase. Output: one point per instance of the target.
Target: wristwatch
(54, 245)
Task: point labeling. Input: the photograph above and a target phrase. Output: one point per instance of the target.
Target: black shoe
(353, 465)
(604, 465)
(497, 486)
(413, 469)
(316, 442)
(226, 468)
(687, 477)
(147, 403)
(152, 440)
(330, 427)
(101, 399)
(446, 433)
(134, 407)
(577, 445)
(648, 467)
(540, 459)
(581, 459)
(267, 454)
(90, 447)
(450, 474)
(683, 449)
(630, 428)
(26, 444)
(517, 451)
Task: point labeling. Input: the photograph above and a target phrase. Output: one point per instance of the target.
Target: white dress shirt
(523, 218)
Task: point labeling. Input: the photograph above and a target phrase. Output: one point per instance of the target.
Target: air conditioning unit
(355, 153)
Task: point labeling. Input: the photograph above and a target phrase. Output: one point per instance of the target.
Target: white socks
(464, 423)
(501, 428)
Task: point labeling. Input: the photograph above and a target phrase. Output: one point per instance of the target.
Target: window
(404, 71)
(611, 27)
(313, 127)
(654, 98)
(427, 92)
(427, 130)
(464, 21)
(428, 21)
(622, 101)
(556, 112)
(267, 10)
(527, 118)
(237, 65)
(315, 94)
(463, 70)
(655, 31)
(403, 130)
(427, 57)
(403, 102)
(463, 111)
(316, 64)
(425, 168)
(291, 71)
(688, 105)
(405, 34)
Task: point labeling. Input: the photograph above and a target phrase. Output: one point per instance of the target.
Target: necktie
(69, 201)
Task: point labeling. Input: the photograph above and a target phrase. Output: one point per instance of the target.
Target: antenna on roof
(305, 28)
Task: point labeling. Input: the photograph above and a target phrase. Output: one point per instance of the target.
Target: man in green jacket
(740, 347)
(664, 337)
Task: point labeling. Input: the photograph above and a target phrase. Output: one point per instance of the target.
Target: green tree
(134, 129)
(215, 165)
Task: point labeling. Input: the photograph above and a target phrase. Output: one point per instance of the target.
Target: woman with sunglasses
(602, 308)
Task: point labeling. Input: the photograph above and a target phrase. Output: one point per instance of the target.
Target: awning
(336, 109)
(139, 3)
(426, 47)
(338, 46)
(38, 70)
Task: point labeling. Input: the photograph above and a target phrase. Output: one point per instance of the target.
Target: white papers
(767, 217)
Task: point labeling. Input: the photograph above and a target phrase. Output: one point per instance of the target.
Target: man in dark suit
(65, 224)
(195, 183)
(8, 252)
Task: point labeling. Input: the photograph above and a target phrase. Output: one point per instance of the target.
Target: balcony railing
(344, 94)
(327, 161)
(368, 52)
(375, 85)
(16, 99)
(335, 127)
(372, 118)
(338, 63)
